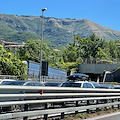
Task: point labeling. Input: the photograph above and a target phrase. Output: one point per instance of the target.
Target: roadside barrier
(28, 101)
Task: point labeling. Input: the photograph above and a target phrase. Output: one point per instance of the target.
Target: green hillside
(56, 32)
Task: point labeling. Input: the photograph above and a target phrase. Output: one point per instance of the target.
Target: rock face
(56, 31)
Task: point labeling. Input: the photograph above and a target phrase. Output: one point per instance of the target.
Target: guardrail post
(63, 104)
(76, 112)
(118, 104)
(45, 116)
(25, 109)
(112, 105)
(62, 114)
(105, 101)
(97, 109)
(46, 105)
(88, 111)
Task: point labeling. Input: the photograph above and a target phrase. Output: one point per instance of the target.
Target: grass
(82, 116)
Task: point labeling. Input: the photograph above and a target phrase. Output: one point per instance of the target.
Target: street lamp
(40, 71)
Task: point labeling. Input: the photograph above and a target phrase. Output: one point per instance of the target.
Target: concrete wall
(113, 77)
(96, 68)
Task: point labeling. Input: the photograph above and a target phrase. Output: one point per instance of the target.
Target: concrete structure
(96, 70)
(113, 76)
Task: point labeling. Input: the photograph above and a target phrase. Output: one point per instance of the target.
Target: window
(71, 85)
(38, 84)
(87, 85)
(29, 84)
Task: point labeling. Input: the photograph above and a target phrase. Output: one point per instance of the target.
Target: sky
(103, 12)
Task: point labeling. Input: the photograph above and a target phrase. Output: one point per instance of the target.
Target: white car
(6, 80)
(81, 84)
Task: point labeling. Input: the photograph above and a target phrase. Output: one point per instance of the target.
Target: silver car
(24, 83)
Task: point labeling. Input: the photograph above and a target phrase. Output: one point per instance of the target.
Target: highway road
(112, 116)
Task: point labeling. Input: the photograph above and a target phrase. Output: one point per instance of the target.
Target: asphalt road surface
(112, 116)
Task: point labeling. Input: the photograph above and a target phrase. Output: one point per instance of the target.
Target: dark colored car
(52, 83)
(78, 76)
(24, 83)
(117, 87)
(106, 86)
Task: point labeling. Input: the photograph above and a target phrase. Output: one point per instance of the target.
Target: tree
(89, 46)
(10, 65)
(31, 51)
(101, 54)
(112, 49)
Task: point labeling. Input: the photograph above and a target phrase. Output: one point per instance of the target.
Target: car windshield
(38, 84)
(71, 85)
(13, 83)
(52, 83)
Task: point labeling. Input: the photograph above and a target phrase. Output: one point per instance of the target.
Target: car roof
(22, 82)
(71, 81)
(5, 80)
(52, 83)
(77, 81)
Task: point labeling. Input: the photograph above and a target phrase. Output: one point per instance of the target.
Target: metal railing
(8, 77)
(38, 99)
(100, 61)
(34, 74)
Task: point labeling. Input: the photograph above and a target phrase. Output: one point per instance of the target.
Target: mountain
(57, 32)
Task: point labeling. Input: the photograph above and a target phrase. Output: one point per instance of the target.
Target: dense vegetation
(60, 48)
(10, 65)
(69, 57)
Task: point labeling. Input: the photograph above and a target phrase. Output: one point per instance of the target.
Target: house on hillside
(12, 45)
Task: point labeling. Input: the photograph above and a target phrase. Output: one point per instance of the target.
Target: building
(96, 69)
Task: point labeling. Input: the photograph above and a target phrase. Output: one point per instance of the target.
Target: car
(81, 84)
(52, 84)
(117, 87)
(107, 86)
(78, 76)
(24, 83)
(6, 80)
(96, 85)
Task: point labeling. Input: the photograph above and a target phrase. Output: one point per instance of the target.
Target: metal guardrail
(69, 99)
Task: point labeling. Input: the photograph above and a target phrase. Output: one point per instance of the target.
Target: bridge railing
(100, 61)
(28, 101)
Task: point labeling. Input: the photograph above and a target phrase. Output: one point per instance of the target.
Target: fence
(8, 77)
(100, 61)
(27, 101)
(52, 77)
(53, 73)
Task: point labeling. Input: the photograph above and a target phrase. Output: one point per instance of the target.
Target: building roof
(14, 46)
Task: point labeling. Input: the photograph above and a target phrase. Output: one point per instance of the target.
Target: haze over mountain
(55, 31)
